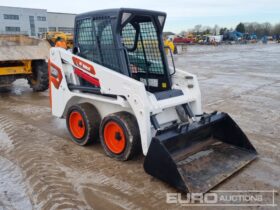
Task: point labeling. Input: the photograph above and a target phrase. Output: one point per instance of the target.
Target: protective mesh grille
(108, 52)
(87, 42)
(146, 58)
(96, 42)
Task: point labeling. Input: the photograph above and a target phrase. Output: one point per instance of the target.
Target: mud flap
(200, 155)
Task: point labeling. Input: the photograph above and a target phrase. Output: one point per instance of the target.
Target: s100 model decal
(87, 77)
(83, 65)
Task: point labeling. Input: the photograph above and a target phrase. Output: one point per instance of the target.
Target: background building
(33, 22)
(61, 22)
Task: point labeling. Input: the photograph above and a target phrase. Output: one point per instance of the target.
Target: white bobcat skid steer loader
(117, 86)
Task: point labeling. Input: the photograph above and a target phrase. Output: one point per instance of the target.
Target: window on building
(42, 30)
(52, 28)
(11, 17)
(66, 29)
(32, 25)
(12, 29)
(41, 18)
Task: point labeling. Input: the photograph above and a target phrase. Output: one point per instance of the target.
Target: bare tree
(276, 29)
(197, 29)
(260, 29)
(216, 30)
(223, 31)
(267, 28)
(183, 33)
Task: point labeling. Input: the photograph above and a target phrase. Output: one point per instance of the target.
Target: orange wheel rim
(114, 137)
(77, 125)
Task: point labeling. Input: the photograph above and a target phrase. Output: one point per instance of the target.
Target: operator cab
(128, 41)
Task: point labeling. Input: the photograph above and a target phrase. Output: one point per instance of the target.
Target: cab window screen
(86, 41)
(104, 35)
(146, 57)
(96, 42)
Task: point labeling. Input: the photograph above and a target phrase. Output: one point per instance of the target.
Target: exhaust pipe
(198, 156)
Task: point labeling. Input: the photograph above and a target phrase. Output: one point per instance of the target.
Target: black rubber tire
(39, 80)
(91, 119)
(131, 131)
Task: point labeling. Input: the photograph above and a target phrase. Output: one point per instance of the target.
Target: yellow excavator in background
(52, 36)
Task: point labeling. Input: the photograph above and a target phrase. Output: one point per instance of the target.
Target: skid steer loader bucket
(198, 156)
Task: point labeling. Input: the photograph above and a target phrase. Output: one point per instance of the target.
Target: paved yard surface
(41, 168)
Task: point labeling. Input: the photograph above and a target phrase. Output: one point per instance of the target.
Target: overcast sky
(181, 14)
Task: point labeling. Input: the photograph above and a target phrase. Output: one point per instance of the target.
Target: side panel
(131, 94)
(104, 108)
(59, 92)
(111, 83)
(188, 83)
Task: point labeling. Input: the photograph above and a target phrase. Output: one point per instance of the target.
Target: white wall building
(61, 22)
(33, 21)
